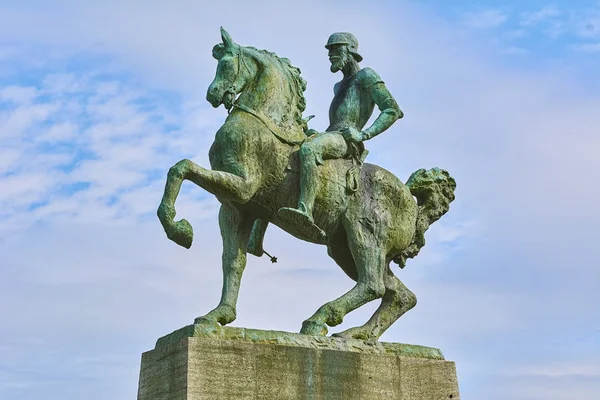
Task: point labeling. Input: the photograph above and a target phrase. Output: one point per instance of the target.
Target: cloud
(486, 19)
(18, 94)
(75, 142)
(562, 370)
(531, 388)
(542, 15)
(17, 122)
(571, 22)
(515, 34)
(587, 25)
(587, 47)
(97, 116)
(516, 50)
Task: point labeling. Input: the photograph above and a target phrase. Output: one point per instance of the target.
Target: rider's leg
(309, 160)
(328, 145)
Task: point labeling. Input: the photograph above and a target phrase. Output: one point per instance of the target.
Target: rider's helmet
(345, 38)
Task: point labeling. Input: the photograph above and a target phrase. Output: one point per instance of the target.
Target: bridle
(235, 105)
(231, 89)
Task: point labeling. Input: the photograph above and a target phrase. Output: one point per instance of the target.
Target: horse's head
(230, 78)
(268, 84)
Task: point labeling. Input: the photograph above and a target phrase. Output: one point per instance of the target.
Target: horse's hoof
(206, 328)
(181, 233)
(313, 328)
(356, 333)
(205, 321)
(220, 315)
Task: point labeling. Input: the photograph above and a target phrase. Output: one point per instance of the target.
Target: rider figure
(355, 97)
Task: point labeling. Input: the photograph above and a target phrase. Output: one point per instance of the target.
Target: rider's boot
(302, 216)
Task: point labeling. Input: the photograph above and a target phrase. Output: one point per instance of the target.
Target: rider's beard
(338, 62)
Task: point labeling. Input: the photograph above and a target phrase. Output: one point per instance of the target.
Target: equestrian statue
(267, 166)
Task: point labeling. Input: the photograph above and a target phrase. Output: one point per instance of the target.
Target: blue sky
(99, 99)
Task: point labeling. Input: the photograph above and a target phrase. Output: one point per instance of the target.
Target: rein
(268, 123)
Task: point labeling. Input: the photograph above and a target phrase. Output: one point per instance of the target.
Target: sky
(99, 98)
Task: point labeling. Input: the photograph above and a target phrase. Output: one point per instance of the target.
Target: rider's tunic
(352, 106)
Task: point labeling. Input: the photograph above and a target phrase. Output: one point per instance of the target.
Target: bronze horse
(255, 172)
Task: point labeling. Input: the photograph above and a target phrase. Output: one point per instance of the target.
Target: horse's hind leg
(343, 258)
(397, 300)
(235, 232)
(370, 263)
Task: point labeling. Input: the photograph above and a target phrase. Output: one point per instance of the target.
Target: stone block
(216, 363)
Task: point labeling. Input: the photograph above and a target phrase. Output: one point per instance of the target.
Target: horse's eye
(226, 65)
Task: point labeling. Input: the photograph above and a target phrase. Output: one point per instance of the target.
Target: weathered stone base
(214, 363)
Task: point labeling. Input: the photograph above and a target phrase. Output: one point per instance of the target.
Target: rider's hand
(352, 134)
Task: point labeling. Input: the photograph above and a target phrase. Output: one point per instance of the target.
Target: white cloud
(521, 144)
(486, 19)
(24, 189)
(516, 50)
(108, 135)
(554, 370)
(63, 84)
(18, 94)
(515, 33)
(587, 47)
(581, 22)
(553, 389)
(8, 157)
(16, 123)
(588, 24)
(60, 132)
(540, 16)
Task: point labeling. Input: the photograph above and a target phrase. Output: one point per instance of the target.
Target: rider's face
(338, 55)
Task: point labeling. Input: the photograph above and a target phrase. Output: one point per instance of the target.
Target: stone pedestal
(215, 363)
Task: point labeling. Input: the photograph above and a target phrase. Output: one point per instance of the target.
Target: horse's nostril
(212, 98)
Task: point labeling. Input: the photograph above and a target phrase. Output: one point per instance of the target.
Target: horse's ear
(226, 37)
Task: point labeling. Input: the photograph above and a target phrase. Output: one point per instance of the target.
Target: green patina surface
(268, 167)
(298, 340)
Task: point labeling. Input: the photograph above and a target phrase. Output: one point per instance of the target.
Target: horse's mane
(297, 86)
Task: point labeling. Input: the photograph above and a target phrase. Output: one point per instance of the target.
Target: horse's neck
(265, 95)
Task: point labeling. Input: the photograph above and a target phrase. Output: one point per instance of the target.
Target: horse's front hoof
(181, 233)
(206, 322)
(222, 314)
(313, 328)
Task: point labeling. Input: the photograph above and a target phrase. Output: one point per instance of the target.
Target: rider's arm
(390, 111)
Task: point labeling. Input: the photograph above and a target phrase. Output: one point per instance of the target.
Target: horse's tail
(434, 190)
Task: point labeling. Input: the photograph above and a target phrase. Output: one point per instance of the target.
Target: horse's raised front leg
(235, 232)
(224, 185)
(370, 265)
